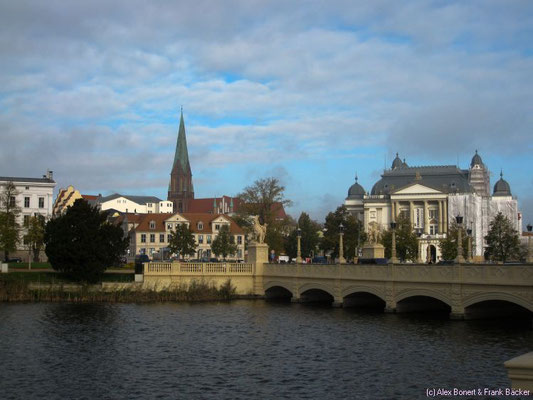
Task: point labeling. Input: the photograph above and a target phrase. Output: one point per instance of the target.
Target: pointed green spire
(182, 154)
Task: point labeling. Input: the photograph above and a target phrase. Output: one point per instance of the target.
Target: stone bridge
(404, 287)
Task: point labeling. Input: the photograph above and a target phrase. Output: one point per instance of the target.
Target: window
(161, 238)
(200, 239)
(239, 253)
(12, 201)
(152, 251)
(169, 227)
(26, 202)
(217, 227)
(152, 224)
(433, 229)
(149, 205)
(26, 220)
(27, 188)
(200, 225)
(149, 211)
(142, 251)
(143, 238)
(152, 237)
(168, 238)
(433, 214)
(41, 202)
(239, 239)
(208, 239)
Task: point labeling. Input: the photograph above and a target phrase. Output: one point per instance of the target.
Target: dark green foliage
(309, 237)
(448, 246)
(354, 235)
(503, 243)
(182, 241)
(82, 244)
(406, 240)
(224, 243)
(9, 228)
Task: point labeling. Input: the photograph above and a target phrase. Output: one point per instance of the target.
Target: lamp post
(393, 258)
(298, 247)
(469, 251)
(341, 250)
(529, 247)
(459, 259)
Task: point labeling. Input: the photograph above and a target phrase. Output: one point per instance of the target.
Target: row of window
(27, 202)
(205, 254)
(200, 238)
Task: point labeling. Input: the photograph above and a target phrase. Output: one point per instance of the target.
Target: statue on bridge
(374, 233)
(259, 231)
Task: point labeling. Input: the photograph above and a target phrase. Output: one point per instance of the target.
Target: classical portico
(427, 211)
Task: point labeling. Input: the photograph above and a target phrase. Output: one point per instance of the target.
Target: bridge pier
(295, 299)
(389, 310)
(336, 304)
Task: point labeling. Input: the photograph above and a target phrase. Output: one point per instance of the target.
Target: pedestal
(373, 250)
(4, 268)
(258, 255)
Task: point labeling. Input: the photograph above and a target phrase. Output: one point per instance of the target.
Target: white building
(432, 196)
(135, 204)
(34, 197)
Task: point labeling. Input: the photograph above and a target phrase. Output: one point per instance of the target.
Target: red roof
(193, 218)
(206, 205)
(89, 197)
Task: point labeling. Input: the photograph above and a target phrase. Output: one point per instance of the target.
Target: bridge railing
(473, 273)
(185, 268)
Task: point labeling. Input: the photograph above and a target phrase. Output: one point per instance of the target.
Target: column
(412, 213)
(426, 218)
(440, 217)
(392, 211)
(445, 222)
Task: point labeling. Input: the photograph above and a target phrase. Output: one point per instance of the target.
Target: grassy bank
(13, 289)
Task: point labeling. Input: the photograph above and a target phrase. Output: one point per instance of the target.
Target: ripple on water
(243, 349)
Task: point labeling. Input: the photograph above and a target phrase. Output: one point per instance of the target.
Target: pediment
(177, 218)
(416, 188)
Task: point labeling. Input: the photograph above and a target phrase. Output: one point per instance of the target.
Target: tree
(406, 240)
(34, 237)
(9, 211)
(503, 243)
(82, 243)
(224, 243)
(354, 235)
(448, 246)
(265, 198)
(182, 241)
(309, 237)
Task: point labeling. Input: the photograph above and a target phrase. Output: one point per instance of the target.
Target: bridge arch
(315, 286)
(423, 293)
(277, 290)
(501, 296)
(363, 289)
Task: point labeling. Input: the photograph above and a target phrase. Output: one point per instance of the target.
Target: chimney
(50, 174)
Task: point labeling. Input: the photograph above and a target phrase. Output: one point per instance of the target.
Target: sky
(309, 92)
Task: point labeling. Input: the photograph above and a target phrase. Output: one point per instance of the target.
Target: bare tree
(9, 211)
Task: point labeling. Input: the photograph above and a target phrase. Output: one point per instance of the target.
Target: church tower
(180, 188)
(478, 176)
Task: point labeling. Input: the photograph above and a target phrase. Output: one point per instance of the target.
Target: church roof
(445, 178)
(181, 155)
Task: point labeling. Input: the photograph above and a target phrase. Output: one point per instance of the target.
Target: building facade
(34, 198)
(150, 233)
(135, 204)
(431, 197)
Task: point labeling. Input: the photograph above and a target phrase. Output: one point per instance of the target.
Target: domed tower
(502, 188)
(478, 176)
(354, 201)
(397, 163)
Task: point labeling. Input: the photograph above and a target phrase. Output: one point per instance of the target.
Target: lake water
(245, 350)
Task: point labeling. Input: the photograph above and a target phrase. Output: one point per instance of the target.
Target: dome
(502, 188)
(397, 163)
(356, 191)
(476, 160)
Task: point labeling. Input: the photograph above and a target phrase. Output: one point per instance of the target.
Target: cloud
(95, 87)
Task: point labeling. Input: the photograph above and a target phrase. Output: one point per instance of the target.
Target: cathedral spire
(180, 187)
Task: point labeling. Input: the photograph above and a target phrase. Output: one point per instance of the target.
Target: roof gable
(416, 188)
